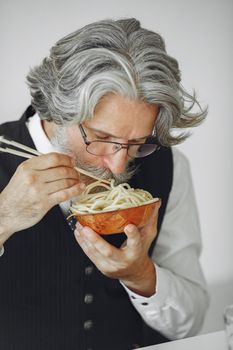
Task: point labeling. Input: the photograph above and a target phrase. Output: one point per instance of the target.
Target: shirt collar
(38, 135)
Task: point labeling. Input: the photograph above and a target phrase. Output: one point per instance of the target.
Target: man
(112, 84)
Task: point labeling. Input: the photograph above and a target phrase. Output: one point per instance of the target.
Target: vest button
(88, 270)
(88, 325)
(88, 299)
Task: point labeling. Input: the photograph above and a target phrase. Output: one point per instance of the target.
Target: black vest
(51, 295)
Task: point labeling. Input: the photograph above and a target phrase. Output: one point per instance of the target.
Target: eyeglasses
(134, 150)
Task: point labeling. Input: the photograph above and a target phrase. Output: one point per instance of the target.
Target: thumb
(133, 235)
(150, 229)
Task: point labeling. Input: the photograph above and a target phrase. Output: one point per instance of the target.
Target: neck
(49, 128)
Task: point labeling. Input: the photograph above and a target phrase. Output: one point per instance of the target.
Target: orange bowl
(114, 221)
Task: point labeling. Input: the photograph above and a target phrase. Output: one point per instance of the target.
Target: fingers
(66, 194)
(83, 243)
(133, 236)
(63, 184)
(95, 242)
(136, 236)
(54, 174)
(152, 223)
(59, 173)
(89, 248)
(46, 161)
(86, 245)
(149, 231)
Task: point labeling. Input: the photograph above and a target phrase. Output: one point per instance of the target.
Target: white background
(200, 35)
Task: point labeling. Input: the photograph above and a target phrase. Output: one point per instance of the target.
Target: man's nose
(117, 162)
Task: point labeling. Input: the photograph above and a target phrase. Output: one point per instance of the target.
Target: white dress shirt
(178, 307)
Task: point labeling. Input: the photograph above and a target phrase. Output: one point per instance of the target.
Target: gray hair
(116, 57)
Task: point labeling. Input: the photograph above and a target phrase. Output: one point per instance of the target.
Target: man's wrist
(5, 233)
(144, 283)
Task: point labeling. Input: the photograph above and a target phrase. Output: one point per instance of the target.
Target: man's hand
(130, 263)
(37, 185)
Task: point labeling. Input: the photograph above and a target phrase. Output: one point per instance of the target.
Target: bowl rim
(151, 201)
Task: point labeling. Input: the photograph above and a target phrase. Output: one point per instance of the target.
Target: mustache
(103, 173)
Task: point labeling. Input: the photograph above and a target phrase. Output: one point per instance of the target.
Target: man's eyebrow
(114, 136)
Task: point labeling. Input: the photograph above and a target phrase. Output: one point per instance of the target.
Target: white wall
(199, 34)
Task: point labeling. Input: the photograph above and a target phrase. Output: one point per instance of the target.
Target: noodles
(109, 199)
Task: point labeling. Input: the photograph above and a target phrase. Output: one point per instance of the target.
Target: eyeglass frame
(122, 145)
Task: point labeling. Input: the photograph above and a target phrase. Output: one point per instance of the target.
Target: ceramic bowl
(114, 221)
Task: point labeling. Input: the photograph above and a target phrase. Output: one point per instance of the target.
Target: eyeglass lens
(101, 148)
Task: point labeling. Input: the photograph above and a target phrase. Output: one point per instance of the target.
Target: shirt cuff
(161, 295)
(1, 251)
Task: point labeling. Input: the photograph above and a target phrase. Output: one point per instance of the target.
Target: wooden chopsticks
(28, 152)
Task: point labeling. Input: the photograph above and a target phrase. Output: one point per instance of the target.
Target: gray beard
(61, 143)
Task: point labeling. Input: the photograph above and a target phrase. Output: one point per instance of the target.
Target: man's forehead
(118, 101)
(105, 131)
(121, 117)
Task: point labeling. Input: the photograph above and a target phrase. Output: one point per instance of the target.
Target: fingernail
(76, 232)
(82, 186)
(87, 232)
(78, 225)
(129, 228)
